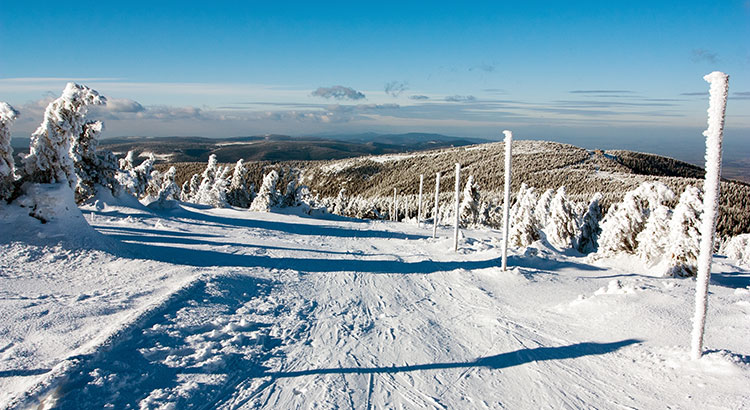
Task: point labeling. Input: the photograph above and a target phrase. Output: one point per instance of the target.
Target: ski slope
(220, 308)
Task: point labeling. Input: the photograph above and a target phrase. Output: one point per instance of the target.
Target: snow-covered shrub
(588, 236)
(49, 159)
(561, 224)
(190, 189)
(7, 167)
(341, 202)
(267, 196)
(683, 243)
(128, 162)
(162, 188)
(469, 207)
(239, 194)
(542, 209)
(135, 179)
(652, 240)
(738, 248)
(624, 221)
(214, 184)
(524, 227)
(93, 168)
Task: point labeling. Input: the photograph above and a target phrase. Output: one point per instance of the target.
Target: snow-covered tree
(561, 224)
(524, 228)
(238, 194)
(542, 210)
(190, 189)
(469, 208)
(214, 185)
(267, 196)
(93, 168)
(49, 157)
(589, 233)
(683, 243)
(291, 194)
(738, 248)
(652, 240)
(162, 187)
(128, 163)
(341, 202)
(624, 221)
(7, 167)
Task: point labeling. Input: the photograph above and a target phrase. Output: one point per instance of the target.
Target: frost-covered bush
(136, 179)
(162, 188)
(93, 168)
(561, 226)
(738, 248)
(469, 207)
(49, 158)
(683, 244)
(524, 227)
(542, 209)
(214, 185)
(624, 221)
(341, 202)
(589, 232)
(7, 167)
(267, 196)
(652, 240)
(190, 189)
(239, 193)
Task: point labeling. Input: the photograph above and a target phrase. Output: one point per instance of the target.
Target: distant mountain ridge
(274, 147)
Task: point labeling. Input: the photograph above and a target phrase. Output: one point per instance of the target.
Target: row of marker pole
(436, 213)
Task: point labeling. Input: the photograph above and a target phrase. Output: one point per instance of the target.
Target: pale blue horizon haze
(606, 74)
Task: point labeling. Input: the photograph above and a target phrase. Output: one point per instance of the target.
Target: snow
(232, 309)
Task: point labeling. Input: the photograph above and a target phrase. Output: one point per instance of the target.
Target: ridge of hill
(541, 164)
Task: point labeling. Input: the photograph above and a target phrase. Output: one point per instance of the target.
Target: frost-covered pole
(506, 196)
(436, 216)
(394, 217)
(419, 207)
(455, 207)
(716, 108)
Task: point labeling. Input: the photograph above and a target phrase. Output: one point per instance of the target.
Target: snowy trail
(295, 312)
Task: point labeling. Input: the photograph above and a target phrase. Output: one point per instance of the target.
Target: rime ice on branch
(7, 174)
(49, 158)
(506, 196)
(716, 109)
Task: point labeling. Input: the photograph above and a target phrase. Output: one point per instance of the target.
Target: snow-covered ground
(220, 308)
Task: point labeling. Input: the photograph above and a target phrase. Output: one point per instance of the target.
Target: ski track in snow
(283, 311)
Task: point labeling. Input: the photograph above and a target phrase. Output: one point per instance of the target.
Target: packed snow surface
(194, 307)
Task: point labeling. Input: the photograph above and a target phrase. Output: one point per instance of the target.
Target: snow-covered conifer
(128, 163)
(238, 194)
(684, 235)
(738, 248)
(293, 194)
(92, 168)
(216, 194)
(341, 202)
(624, 221)
(589, 233)
(652, 240)
(267, 196)
(561, 224)
(7, 166)
(469, 208)
(162, 187)
(524, 229)
(542, 209)
(49, 157)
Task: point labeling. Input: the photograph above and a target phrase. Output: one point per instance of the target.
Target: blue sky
(554, 70)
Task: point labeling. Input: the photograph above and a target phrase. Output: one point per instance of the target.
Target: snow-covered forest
(128, 283)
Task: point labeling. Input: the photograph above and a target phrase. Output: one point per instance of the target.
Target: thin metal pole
(506, 198)
(395, 210)
(436, 216)
(455, 207)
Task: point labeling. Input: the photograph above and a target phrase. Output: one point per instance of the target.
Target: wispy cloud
(395, 88)
(698, 93)
(486, 67)
(338, 92)
(597, 92)
(741, 95)
(419, 97)
(460, 98)
(702, 55)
